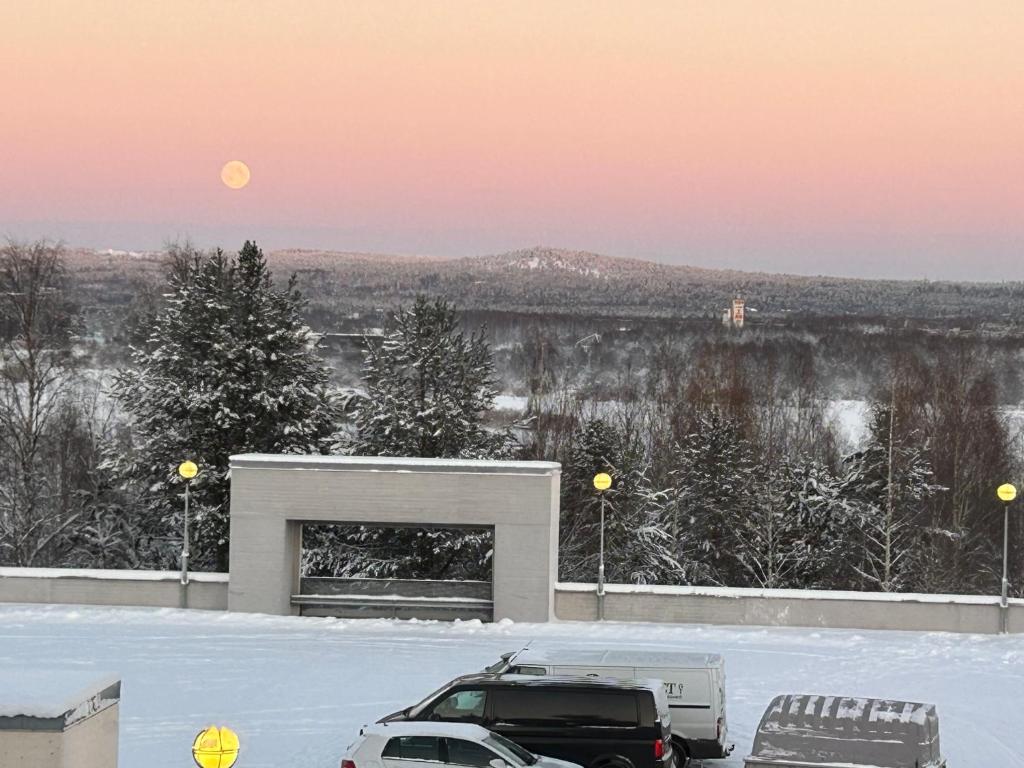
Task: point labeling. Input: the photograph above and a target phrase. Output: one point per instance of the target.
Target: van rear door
(690, 699)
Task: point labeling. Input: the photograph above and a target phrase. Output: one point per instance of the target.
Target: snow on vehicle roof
(428, 728)
(848, 731)
(547, 680)
(622, 657)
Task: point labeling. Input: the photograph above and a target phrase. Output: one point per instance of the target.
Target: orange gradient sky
(861, 138)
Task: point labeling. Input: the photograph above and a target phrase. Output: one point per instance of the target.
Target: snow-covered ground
(297, 690)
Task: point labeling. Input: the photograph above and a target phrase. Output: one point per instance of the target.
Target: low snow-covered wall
(80, 586)
(787, 608)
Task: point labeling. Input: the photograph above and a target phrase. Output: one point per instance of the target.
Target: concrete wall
(54, 730)
(272, 495)
(160, 589)
(788, 608)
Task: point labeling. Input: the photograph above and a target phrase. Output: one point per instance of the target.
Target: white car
(419, 744)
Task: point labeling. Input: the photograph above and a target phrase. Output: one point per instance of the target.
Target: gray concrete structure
(77, 586)
(59, 719)
(788, 608)
(273, 495)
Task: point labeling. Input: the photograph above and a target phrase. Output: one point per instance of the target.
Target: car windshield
(512, 752)
(415, 709)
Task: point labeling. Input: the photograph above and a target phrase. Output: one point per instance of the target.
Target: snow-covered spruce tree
(638, 549)
(712, 491)
(886, 486)
(428, 386)
(229, 366)
(794, 533)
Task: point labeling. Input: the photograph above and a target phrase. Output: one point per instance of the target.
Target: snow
(46, 693)
(297, 690)
(388, 463)
(507, 402)
(108, 574)
(788, 594)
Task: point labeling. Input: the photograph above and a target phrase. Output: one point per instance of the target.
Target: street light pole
(187, 470)
(600, 568)
(185, 540)
(602, 482)
(1006, 493)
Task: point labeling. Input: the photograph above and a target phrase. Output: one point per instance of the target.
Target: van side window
(462, 705)
(526, 670)
(413, 748)
(604, 708)
(461, 752)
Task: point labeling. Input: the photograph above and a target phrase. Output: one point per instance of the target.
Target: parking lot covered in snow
(298, 689)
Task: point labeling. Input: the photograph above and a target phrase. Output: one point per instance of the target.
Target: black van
(596, 722)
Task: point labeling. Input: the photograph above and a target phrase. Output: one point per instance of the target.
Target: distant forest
(851, 435)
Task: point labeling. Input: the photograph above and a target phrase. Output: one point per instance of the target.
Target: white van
(694, 682)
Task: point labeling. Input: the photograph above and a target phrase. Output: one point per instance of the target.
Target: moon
(235, 174)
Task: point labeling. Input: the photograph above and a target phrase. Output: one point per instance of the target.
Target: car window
(592, 707)
(510, 752)
(413, 748)
(528, 670)
(463, 705)
(462, 752)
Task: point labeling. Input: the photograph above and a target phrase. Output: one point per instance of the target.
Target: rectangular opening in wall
(395, 571)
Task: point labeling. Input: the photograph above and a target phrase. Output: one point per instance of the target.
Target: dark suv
(596, 722)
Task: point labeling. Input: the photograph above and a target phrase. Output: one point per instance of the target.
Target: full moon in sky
(235, 174)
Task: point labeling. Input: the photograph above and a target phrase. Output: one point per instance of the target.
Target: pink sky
(865, 138)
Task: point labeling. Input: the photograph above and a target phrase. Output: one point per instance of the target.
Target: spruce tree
(638, 548)
(228, 367)
(712, 491)
(428, 387)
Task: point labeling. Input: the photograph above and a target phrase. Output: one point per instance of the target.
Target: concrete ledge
(391, 464)
(59, 719)
(156, 589)
(788, 608)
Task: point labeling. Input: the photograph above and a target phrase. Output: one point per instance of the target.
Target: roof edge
(283, 461)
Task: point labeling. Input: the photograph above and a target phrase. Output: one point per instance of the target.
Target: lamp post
(602, 482)
(1006, 493)
(187, 470)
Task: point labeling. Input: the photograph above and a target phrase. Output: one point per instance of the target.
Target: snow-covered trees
(712, 489)
(228, 366)
(428, 386)
(45, 439)
(638, 549)
(887, 483)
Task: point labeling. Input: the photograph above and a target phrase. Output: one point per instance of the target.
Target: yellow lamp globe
(1006, 492)
(602, 481)
(215, 748)
(188, 469)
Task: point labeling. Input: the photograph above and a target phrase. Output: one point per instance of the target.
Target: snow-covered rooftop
(49, 693)
(390, 464)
